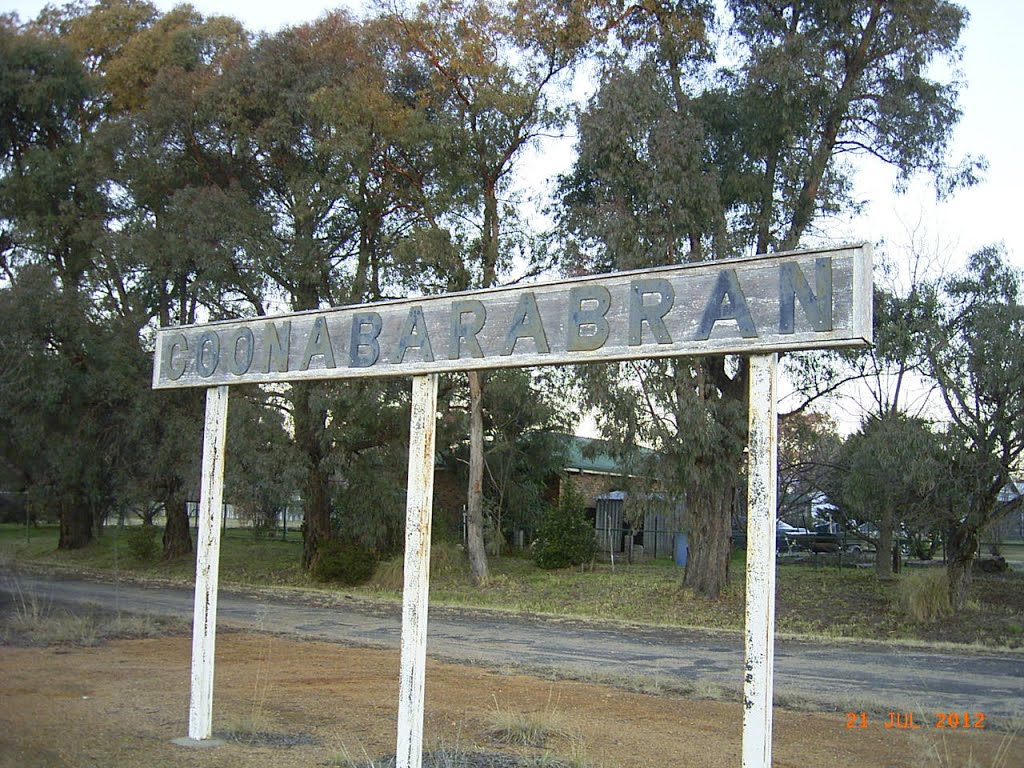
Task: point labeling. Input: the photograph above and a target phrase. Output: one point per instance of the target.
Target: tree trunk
(316, 509)
(883, 547)
(961, 549)
(707, 569)
(316, 517)
(75, 524)
(177, 537)
(475, 493)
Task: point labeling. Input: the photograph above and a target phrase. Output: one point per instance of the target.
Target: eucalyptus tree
(173, 254)
(52, 209)
(527, 425)
(165, 168)
(493, 69)
(892, 473)
(148, 184)
(686, 158)
(62, 420)
(525, 443)
(974, 349)
(327, 118)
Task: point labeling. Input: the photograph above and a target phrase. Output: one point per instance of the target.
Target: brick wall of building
(591, 486)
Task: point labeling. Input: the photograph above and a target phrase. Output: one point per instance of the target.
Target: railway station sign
(785, 301)
(757, 306)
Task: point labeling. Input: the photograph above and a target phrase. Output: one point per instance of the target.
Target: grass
(244, 559)
(35, 620)
(924, 597)
(525, 729)
(1013, 551)
(935, 752)
(813, 599)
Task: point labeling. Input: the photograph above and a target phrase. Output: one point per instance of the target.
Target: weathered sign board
(758, 306)
(800, 300)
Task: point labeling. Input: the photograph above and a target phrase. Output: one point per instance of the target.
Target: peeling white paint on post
(417, 571)
(760, 611)
(204, 622)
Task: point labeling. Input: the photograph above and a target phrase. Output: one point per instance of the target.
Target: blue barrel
(682, 548)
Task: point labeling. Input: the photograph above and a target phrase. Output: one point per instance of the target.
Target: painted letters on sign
(798, 300)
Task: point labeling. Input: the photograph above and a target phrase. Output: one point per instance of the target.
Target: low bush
(344, 562)
(141, 542)
(924, 596)
(566, 537)
(524, 729)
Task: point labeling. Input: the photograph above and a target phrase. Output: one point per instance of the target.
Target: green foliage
(974, 347)
(12, 510)
(566, 537)
(263, 472)
(369, 460)
(525, 447)
(344, 562)
(164, 167)
(684, 158)
(895, 464)
(924, 596)
(141, 542)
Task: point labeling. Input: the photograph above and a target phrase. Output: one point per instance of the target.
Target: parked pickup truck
(816, 541)
(789, 538)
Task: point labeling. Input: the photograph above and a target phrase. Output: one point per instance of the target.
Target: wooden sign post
(204, 617)
(757, 306)
(416, 588)
(759, 645)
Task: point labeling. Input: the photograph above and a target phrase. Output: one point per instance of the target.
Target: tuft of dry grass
(936, 752)
(525, 729)
(924, 596)
(37, 620)
(449, 567)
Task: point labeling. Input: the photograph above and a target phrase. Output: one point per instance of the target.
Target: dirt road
(833, 677)
(285, 703)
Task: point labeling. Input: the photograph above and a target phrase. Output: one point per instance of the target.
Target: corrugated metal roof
(588, 454)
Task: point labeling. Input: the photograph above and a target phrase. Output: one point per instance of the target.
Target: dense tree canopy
(164, 168)
(892, 476)
(684, 157)
(973, 347)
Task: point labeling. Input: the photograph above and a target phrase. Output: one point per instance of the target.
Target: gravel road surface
(838, 676)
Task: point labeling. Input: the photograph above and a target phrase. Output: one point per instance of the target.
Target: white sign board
(799, 300)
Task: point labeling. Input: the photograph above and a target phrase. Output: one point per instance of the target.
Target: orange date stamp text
(906, 720)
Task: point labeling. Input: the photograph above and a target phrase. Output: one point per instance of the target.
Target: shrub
(566, 537)
(925, 596)
(141, 543)
(345, 562)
